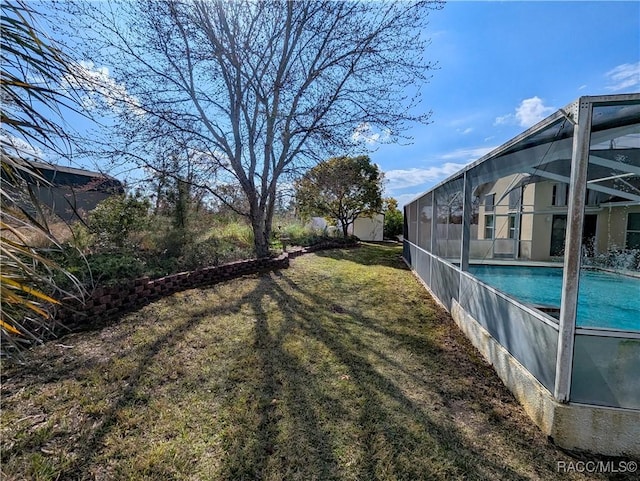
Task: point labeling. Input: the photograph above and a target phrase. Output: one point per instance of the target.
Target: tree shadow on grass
(394, 429)
(394, 417)
(278, 389)
(283, 395)
(136, 361)
(312, 396)
(130, 396)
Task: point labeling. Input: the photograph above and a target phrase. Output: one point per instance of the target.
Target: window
(633, 231)
(514, 198)
(558, 233)
(512, 226)
(488, 226)
(489, 202)
(560, 194)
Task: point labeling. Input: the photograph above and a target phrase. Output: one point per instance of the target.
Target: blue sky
(503, 66)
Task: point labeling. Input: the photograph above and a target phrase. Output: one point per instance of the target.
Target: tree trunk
(261, 214)
(261, 235)
(261, 244)
(345, 230)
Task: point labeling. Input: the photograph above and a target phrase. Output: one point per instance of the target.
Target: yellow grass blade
(10, 298)
(37, 310)
(28, 290)
(9, 328)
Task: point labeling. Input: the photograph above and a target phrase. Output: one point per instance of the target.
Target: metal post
(518, 223)
(406, 248)
(572, 250)
(417, 203)
(466, 222)
(405, 223)
(466, 229)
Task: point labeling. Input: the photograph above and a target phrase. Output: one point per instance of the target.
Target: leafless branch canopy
(263, 87)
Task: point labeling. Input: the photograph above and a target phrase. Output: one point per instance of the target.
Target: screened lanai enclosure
(535, 250)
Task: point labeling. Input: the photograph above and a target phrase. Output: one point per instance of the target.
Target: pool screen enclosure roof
(614, 156)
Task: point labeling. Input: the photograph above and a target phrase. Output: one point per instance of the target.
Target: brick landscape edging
(106, 302)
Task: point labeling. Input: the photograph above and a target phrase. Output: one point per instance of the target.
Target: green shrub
(155, 248)
(115, 218)
(200, 254)
(393, 218)
(82, 238)
(103, 268)
(112, 267)
(393, 224)
(301, 235)
(238, 233)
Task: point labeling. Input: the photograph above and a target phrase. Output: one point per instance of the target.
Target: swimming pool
(605, 299)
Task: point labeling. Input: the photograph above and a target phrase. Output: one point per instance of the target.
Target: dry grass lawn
(339, 368)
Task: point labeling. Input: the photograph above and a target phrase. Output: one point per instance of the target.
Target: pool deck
(508, 262)
(514, 262)
(529, 263)
(557, 265)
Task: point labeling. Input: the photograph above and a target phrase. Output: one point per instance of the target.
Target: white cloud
(452, 162)
(16, 146)
(100, 87)
(466, 131)
(532, 111)
(404, 199)
(364, 133)
(529, 112)
(623, 77)
(464, 156)
(403, 178)
(503, 120)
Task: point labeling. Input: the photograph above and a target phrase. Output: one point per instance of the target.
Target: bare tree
(261, 87)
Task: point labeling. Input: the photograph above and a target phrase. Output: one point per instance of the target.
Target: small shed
(370, 228)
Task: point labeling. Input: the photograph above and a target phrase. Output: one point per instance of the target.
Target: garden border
(107, 302)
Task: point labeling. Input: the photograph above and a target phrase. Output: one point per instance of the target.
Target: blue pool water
(605, 300)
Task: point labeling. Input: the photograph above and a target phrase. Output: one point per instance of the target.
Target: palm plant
(32, 68)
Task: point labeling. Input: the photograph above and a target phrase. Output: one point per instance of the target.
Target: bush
(116, 248)
(82, 239)
(235, 232)
(201, 245)
(115, 218)
(393, 224)
(200, 254)
(101, 268)
(302, 235)
(107, 268)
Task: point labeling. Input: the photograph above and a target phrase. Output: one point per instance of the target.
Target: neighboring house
(71, 192)
(524, 217)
